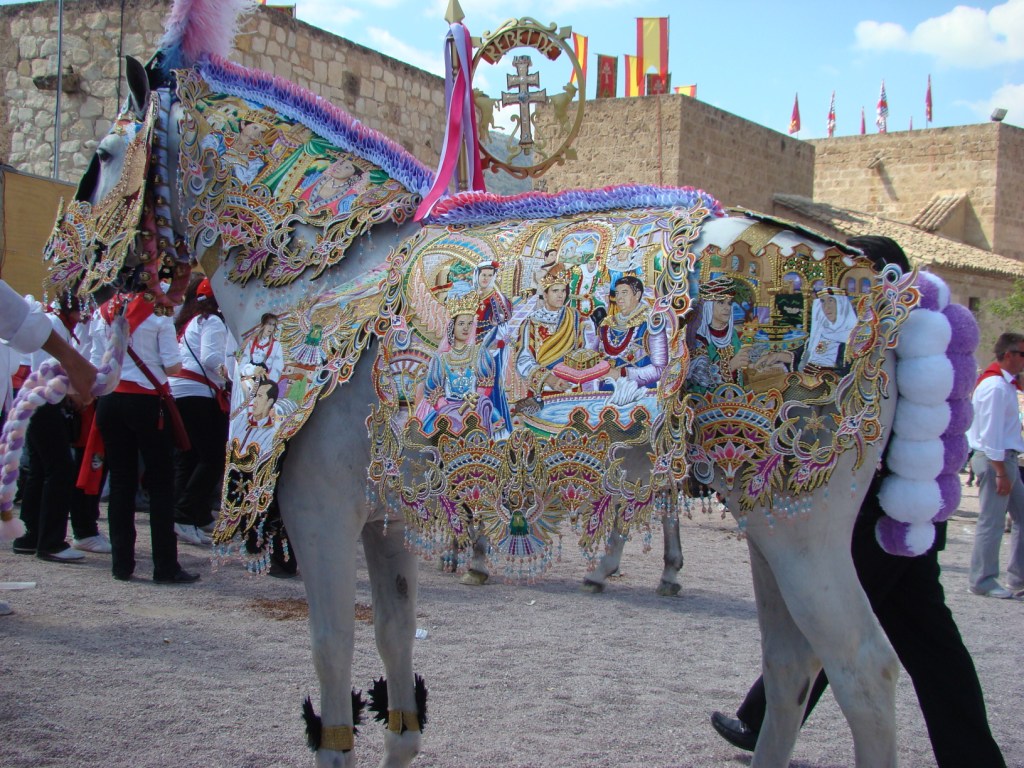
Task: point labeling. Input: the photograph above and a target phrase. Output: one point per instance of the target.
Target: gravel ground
(95, 672)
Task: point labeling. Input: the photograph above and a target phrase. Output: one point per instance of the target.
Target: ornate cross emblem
(524, 97)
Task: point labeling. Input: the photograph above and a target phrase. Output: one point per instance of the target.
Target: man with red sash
(996, 441)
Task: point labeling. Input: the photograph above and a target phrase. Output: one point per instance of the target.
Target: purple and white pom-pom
(935, 371)
(48, 384)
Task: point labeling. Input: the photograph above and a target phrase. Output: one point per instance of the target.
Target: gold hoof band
(338, 738)
(400, 722)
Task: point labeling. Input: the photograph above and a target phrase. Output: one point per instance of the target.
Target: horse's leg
(323, 538)
(393, 581)
(669, 585)
(609, 563)
(813, 570)
(788, 665)
(478, 571)
(324, 513)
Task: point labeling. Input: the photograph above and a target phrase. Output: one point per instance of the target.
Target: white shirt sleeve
(212, 343)
(26, 330)
(167, 344)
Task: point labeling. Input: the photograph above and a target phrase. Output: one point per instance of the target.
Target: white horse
(811, 608)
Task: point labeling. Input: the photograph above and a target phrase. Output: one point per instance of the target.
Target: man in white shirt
(996, 441)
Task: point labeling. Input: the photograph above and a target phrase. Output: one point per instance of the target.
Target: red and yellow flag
(634, 83)
(686, 90)
(607, 76)
(579, 47)
(652, 44)
(794, 120)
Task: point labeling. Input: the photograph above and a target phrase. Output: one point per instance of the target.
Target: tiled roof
(939, 208)
(921, 247)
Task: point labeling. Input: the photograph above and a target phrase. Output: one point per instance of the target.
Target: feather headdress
(199, 28)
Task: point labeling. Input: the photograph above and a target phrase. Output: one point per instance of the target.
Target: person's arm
(212, 342)
(26, 330)
(167, 347)
(81, 373)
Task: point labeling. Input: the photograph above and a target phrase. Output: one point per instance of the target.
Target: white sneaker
(5, 609)
(99, 544)
(998, 591)
(192, 535)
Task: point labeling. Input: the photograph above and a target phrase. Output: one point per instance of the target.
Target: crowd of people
(122, 441)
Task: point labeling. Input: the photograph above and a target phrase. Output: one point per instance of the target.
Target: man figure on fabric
(256, 424)
(631, 339)
(996, 442)
(550, 332)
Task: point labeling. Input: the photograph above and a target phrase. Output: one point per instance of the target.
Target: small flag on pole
(687, 90)
(911, 122)
(794, 120)
(863, 125)
(657, 85)
(579, 47)
(607, 76)
(928, 102)
(883, 110)
(832, 116)
(652, 44)
(633, 81)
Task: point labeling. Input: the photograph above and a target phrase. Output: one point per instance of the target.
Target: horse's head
(118, 234)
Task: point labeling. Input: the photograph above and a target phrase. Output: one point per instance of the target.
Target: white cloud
(328, 15)
(385, 42)
(966, 37)
(1008, 97)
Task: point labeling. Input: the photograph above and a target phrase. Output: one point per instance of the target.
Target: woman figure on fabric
(460, 378)
(334, 189)
(832, 323)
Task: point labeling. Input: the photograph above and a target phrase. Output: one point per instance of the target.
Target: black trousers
(907, 597)
(198, 470)
(48, 480)
(131, 425)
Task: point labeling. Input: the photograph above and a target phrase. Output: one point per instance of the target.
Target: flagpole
(60, 88)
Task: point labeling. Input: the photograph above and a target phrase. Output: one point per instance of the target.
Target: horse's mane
(329, 121)
(484, 208)
(198, 28)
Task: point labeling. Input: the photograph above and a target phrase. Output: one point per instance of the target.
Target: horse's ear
(138, 82)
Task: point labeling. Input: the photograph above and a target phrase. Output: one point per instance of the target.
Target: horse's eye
(103, 154)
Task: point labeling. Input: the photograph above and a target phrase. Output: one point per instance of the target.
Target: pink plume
(198, 28)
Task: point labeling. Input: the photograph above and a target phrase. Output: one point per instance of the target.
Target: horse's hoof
(669, 589)
(473, 579)
(591, 587)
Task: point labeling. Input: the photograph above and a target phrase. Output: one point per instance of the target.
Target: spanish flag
(686, 90)
(579, 47)
(652, 44)
(634, 83)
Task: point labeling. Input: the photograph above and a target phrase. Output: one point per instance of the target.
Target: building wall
(1009, 225)
(895, 175)
(405, 103)
(681, 141)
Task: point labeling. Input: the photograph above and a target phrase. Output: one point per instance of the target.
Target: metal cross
(523, 96)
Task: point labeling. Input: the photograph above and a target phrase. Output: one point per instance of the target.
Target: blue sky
(751, 57)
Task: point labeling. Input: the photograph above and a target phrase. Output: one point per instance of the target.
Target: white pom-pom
(925, 380)
(36, 398)
(920, 422)
(910, 501)
(924, 333)
(920, 537)
(915, 459)
(56, 389)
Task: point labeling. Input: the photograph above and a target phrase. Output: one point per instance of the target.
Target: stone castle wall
(403, 102)
(681, 141)
(895, 176)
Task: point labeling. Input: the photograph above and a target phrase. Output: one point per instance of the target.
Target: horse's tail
(935, 371)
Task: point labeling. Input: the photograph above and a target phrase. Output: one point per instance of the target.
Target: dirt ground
(95, 672)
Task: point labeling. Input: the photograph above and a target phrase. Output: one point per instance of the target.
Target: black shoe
(734, 731)
(24, 546)
(181, 577)
(122, 575)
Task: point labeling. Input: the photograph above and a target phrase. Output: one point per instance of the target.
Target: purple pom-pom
(961, 413)
(949, 488)
(965, 374)
(954, 454)
(903, 540)
(966, 334)
(929, 291)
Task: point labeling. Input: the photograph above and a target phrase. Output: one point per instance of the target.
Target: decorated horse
(543, 364)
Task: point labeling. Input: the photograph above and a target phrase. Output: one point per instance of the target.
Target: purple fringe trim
(321, 116)
(486, 208)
